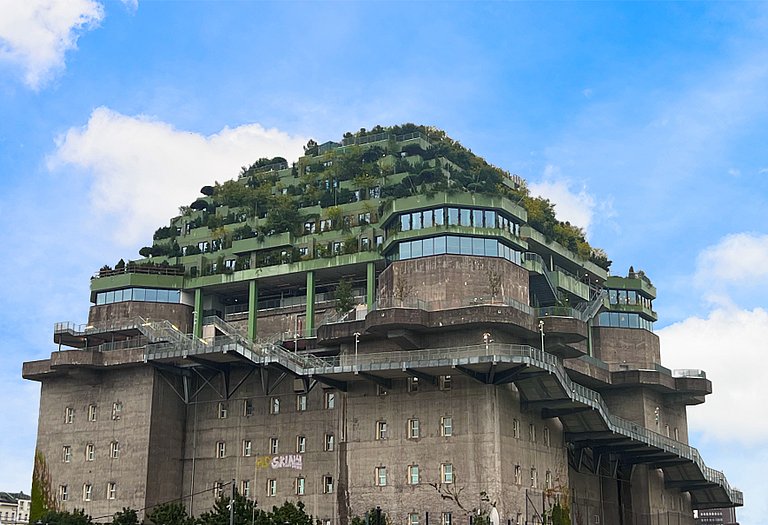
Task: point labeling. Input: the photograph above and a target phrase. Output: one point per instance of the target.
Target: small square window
(446, 473)
(245, 488)
(117, 410)
(87, 492)
(446, 426)
(301, 485)
(63, 493)
(114, 450)
(247, 447)
(381, 476)
(327, 484)
(90, 452)
(221, 410)
(413, 429)
(271, 487)
(446, 519)
(413, 519)
(111, 490)
(381, 430)
(273, 445)
(301, 402)
(328, 443)
(274, 405)
(445, 382)
(413, 384)
(69, 415)
(66, 453)
(91, 412)
(248, 408)
(301, 444)
(381, 391)
(330, 400)
(221, 449)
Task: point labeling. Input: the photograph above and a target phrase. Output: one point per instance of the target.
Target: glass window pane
(405, 250)
(439, 245)
(439, 216)
(623, 321)
(101, 297)
(110, 297)
(175, 296)
(150, 295)
(478, 246)
(622, 297)
(491, 248)
(416, 220)
(428, 218)
(453, 244)
(614, 319)
(489, 219)
(139, 294)
(466, 245)
(405, 222)
(162, 296)
(612, 296)
(453, 216)
(427, 247)
(632, 297)
(477, 218)
(633, 320)
(416, 248)
(464, 217)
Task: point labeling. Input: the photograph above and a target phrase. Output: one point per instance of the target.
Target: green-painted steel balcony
(539, 244)
(464, 199)
(638, 283)
(635, 309)
(490, 233)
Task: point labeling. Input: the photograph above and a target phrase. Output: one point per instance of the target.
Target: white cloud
(144, 169)
(729, 345)
(740, 258)
(733, 172)
(576, 206)
(36, 34)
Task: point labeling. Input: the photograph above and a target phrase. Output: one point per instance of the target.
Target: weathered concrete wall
(631, 347)
(450, 281)
(178, 314)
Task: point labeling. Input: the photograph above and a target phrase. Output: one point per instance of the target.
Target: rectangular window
(301, 402)
(91, 412)
(445, 382)
(221, 449)
(247, 447)
(218, 489)
(413, 384)
(271, 488)
(328, 443)
(301, 444)
(221, 410)
(413, 519)
(66, 453)
(69, 415)
(405, 222)
(327, 484)
(111, 490)
(413, 428)
(90, 452)
(381, 476)
(516, 428)
(117, 411)
(248, 408)
(548, 479)
(274, 405)
(518, 475)
(273, 445)
(87, 492)
(547, 440)
(445, 519)
(381, 391)
(534, 477)
(381, 430)
(446, 426)
(453, 216)
(413, 475)
(114, 450)
(330, 400)
(301, 485)
(532, 432)
(63, 493)
(446, 473)
(245, 488)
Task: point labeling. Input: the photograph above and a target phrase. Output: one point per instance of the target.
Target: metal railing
(384, 303)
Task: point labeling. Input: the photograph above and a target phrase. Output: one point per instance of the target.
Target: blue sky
(644, 122)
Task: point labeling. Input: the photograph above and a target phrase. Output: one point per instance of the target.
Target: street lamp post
(357, 341)
(541, 329)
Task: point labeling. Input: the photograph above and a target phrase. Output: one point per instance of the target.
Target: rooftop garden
(272, 197)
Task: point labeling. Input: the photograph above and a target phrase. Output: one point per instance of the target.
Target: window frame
(447, 475)
(380, 474)
(414, 470)
(221, 449)
(446, 430)
(381, 430)
(414, 428)
(247, 448)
